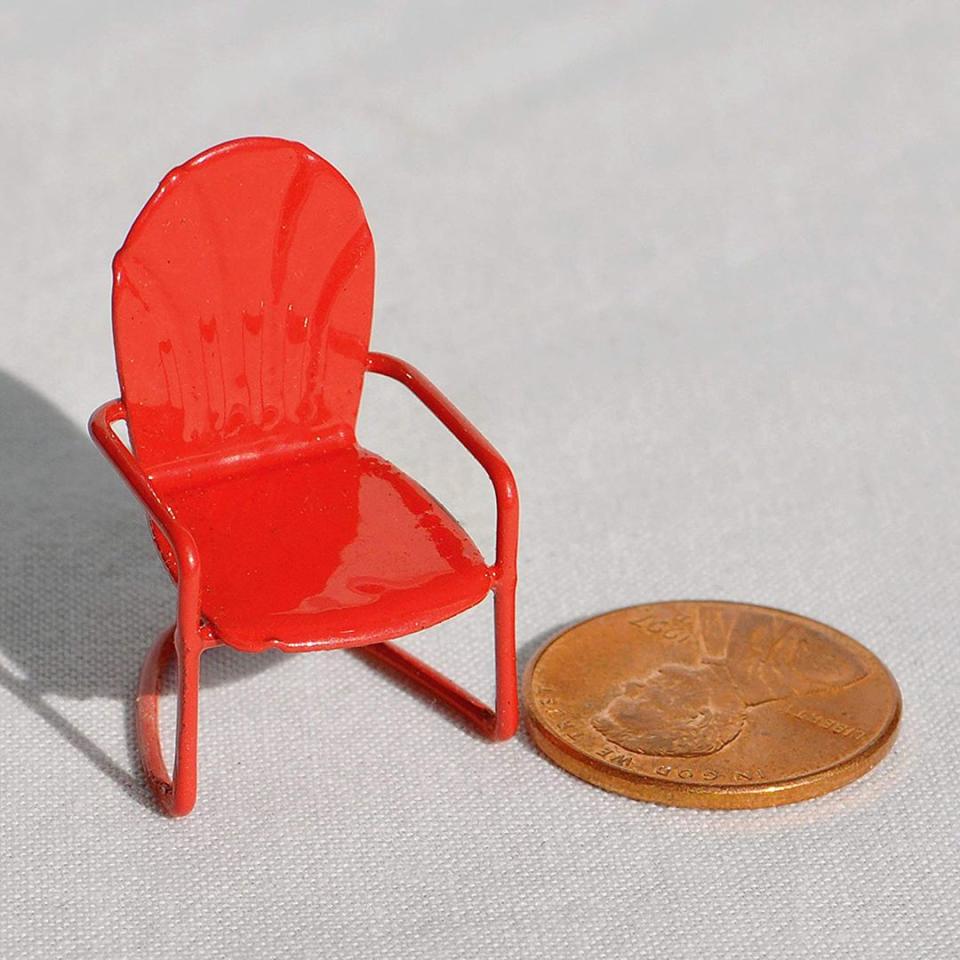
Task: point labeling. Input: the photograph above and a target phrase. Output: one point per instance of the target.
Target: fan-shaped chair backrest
(242, 305)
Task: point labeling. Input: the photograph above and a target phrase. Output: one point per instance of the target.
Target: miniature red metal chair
(242, 305)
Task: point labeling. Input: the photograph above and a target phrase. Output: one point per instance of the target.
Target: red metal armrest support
(476, 444)
(500, 724)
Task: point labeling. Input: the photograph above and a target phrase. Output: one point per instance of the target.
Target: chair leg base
(176, 795)
(413, 669)
(499, 724)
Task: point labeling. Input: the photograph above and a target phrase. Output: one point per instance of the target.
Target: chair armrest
(501, 476)
(179, 537)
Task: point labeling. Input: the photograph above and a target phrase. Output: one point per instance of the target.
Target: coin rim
(707, 796)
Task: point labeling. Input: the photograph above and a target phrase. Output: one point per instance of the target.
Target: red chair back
(242, 305)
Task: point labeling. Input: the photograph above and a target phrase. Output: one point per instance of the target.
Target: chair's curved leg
(176, 795)
(500, 724)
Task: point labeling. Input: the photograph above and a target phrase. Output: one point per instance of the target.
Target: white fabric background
(693, 269)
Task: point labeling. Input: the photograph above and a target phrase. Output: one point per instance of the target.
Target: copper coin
(710, 704)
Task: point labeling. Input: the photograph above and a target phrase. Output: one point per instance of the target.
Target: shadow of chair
(83, 588)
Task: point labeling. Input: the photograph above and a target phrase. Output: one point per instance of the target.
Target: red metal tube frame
(501, 723)
(188, 640)
(176, 794)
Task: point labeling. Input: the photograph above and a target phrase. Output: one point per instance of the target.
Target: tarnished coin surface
(710, 704)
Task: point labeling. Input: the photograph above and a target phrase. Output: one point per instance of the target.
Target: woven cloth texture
(692, 267)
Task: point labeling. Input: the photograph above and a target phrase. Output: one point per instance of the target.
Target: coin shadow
(856, 800)
(84, 592)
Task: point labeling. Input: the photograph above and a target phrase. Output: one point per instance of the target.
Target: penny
(710, 704)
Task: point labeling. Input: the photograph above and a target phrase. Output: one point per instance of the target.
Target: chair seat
(338, 550)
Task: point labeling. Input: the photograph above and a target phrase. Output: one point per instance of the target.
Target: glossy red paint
(242, 306)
